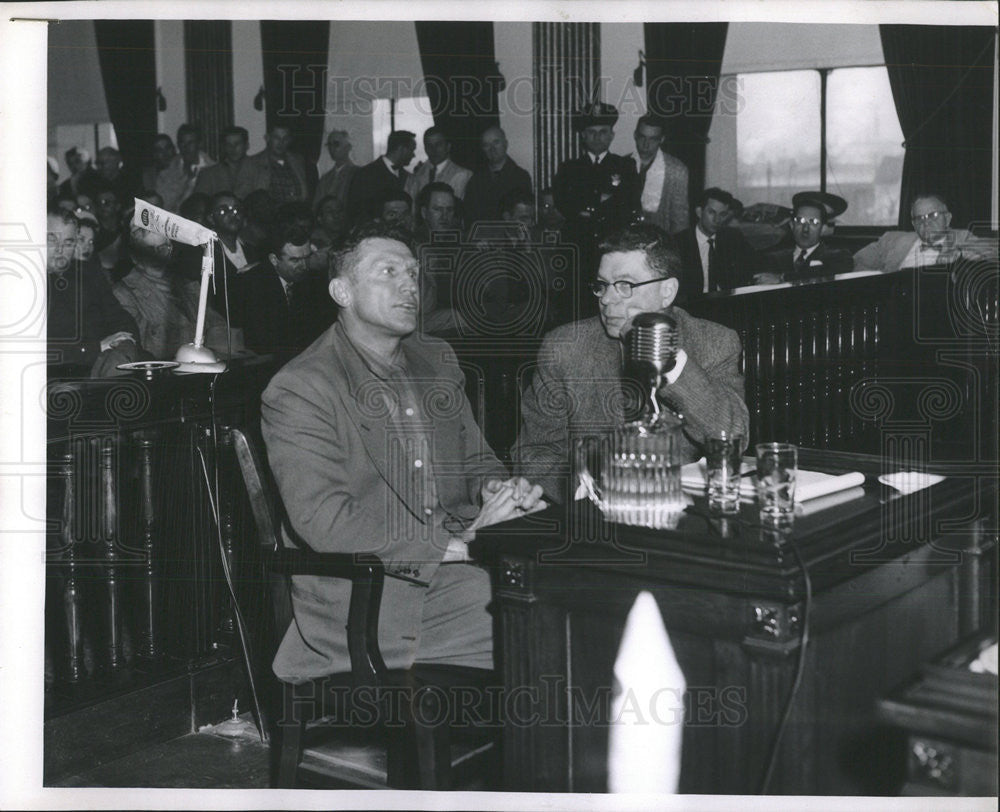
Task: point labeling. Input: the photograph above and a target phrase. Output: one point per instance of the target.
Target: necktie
(713, 283)
(433, 174)
(290, 294)
(800, 261)
(596, 159)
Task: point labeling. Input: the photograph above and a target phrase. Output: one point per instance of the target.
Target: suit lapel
(366, 406)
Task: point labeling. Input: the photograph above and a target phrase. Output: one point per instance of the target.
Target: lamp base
(192, 358)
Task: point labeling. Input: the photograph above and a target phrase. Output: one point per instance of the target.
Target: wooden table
(895, 580)
(949, 716)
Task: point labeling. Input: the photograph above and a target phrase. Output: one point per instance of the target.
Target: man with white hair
(337, 181)
(87, 328)
(932, 242)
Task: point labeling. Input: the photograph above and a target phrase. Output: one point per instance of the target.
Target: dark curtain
(295, 75)
(683, 62)
(127, 55)
(463, 80)
(942, 85)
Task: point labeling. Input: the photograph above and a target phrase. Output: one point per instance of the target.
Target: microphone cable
(237, 612)
(772, 759)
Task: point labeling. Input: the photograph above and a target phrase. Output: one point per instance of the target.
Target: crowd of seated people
(475, 230)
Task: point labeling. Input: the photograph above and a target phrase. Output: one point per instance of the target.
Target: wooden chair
(414, 755)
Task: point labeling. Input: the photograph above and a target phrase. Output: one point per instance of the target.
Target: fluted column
(208, 66)
(566, 59)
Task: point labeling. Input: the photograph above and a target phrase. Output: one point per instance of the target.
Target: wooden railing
(135, 581)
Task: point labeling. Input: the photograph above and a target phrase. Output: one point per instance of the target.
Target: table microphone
(650, 353)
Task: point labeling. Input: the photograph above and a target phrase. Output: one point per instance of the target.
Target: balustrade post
(66, 557)
(149, 649)
(107, 457)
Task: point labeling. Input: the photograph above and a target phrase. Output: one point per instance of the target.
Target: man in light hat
(810, 257)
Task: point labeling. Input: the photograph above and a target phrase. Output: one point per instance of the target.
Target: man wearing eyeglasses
(810, 256)
(932, 242)
(576, 388)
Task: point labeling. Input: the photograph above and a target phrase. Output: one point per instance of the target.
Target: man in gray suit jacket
(374, 450)
(576, 389)
(933, 241)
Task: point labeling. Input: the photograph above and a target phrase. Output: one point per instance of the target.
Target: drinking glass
(723, 460)
(777, 464)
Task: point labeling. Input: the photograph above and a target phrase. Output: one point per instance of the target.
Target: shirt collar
(376, 364)
(390, 167)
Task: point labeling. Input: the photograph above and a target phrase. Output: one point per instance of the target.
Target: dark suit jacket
(368, 186)
(823, 261)
(579, 184)
(576, 390)
(735, 262)
(82, 310)
(228, 284)
(485, 190)
(348, 484)
(270, 324)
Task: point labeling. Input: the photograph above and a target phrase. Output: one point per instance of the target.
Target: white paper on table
(647, 711)
(910, 481)
(808, 484)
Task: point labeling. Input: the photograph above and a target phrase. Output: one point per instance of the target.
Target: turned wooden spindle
(149, 648)
(107, 457)
(71, 586)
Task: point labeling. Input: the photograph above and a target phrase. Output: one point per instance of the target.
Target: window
(778, 135)
(413, 114)
(864, 145)
(780, 140)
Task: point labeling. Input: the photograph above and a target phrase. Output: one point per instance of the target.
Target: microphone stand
(196, 357)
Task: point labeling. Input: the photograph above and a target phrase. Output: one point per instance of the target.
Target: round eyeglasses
(931, 216)
(623, 287)
(812, 221)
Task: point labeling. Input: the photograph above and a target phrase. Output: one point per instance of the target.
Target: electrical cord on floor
(237, 614)
(772, 759)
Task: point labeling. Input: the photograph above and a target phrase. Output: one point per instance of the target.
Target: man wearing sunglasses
(932, 242)
(810, 256)
(576, 388)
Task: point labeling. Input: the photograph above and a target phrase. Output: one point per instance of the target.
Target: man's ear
(668, 290)
(340, 291)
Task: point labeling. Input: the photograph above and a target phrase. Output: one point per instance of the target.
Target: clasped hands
(502, 500)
